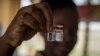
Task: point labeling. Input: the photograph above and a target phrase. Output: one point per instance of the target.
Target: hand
(28, 21)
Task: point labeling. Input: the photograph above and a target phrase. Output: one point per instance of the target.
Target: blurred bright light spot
(80, 2)
(94, 26)
(26, 51)
(37, 42)
(82, 25)
(24, 3)
(30, 47)
(95, 2)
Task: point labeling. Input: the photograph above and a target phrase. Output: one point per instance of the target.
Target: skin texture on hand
(28, 21)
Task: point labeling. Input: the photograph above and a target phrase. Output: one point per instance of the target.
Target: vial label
(59, 35)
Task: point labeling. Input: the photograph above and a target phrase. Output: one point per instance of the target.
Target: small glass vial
(56, 34)
(59, 33)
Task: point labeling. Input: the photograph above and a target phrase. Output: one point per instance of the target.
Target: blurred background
(88, 33)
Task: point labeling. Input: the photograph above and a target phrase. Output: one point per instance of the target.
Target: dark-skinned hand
(28, 21)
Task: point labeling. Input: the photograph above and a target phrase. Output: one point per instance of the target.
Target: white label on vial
(59, 35)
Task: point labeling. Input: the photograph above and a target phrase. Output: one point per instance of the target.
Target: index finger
(47, 13)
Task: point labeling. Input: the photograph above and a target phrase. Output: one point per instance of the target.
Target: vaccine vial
(56, 34)
(59, 33)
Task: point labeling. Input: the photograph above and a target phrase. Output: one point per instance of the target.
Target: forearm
(5, 48)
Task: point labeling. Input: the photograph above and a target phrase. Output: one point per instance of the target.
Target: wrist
(7, 49)
(7, 40)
